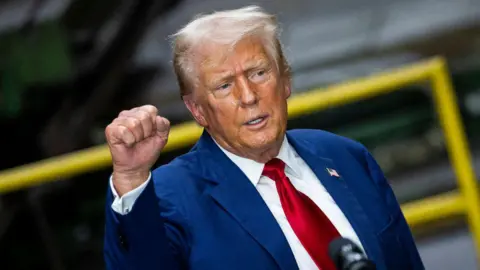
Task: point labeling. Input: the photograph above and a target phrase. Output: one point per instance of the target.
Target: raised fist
(135, 138)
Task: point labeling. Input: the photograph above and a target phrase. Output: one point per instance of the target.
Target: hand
(135, 138)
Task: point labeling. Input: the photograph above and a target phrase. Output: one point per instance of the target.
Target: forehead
(216, 58)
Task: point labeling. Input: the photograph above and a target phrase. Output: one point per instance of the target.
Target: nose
(246, 93)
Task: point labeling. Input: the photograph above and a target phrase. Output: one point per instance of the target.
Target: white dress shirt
(302, 178)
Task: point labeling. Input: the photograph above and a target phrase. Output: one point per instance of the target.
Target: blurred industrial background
(67, 67)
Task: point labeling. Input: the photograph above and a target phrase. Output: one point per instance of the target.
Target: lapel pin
(333, 172)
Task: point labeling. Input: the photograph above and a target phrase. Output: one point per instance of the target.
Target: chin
(264, 139)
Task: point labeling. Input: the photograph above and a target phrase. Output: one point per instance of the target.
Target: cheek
(224, 111)
(225, 107)
(274, 99)
(272, 91)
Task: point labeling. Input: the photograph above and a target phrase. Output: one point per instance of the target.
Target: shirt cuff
(123, 205)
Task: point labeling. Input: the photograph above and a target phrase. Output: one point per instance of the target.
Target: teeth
(256, 121)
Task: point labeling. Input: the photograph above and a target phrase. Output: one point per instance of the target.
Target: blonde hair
(225, 28)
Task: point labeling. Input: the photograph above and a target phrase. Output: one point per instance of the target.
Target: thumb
(162, 125)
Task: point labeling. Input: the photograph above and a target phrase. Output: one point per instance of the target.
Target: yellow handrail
(434, 208)
(457, 146)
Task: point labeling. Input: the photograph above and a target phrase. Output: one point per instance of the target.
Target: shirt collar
(253, 170)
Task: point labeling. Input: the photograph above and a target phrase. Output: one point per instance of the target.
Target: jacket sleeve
(386, 191)
(144, 238)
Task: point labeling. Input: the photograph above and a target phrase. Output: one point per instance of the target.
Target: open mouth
(256, 121)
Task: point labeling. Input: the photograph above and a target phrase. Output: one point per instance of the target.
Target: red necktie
(312, 227)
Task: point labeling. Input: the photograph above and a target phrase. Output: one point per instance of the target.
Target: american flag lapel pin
(333, 172)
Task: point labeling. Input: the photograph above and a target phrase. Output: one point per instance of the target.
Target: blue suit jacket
(201, 212)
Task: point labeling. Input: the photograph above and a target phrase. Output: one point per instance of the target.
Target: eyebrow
(256, 63)
(220, 77)
(249, 66)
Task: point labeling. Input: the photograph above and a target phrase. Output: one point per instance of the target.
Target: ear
(287, 85)
(195, 109)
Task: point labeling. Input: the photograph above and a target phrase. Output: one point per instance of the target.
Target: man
(249, 195)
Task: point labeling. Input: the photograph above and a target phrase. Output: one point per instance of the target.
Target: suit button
(123, 241)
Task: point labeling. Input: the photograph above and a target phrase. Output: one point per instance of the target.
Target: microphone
(348, 256)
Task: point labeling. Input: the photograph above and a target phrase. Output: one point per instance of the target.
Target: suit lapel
(236, 194)
(338, 189)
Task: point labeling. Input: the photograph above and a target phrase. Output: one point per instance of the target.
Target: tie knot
(274, 169)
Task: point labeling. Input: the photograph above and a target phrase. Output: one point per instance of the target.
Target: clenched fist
(135, 138)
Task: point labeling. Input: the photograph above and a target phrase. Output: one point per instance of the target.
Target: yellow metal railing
(465, 201)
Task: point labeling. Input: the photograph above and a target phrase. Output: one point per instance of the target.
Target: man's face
(241, 97)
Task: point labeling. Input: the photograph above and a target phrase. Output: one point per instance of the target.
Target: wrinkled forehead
(212, 57)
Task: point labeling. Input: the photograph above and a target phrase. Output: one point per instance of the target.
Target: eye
(224, 86)
(259, 75)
